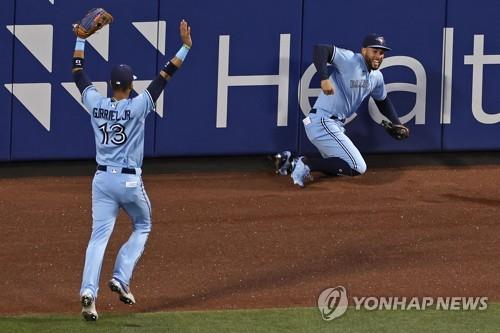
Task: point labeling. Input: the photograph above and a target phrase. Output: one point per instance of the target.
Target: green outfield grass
(265, 321)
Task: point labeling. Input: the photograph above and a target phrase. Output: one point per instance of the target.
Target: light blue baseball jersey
(353, 82)
(118, 127)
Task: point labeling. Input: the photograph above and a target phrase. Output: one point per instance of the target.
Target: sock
(332, 166)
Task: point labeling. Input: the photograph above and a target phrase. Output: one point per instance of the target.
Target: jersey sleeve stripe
(150, 98)
(85, 90)
(333, 54)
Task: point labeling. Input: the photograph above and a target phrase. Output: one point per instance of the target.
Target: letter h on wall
(281, 80)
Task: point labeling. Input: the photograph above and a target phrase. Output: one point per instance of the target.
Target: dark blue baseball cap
(122, 75)
(376, 41)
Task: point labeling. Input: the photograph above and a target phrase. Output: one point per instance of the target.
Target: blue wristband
(80, 44)
(182, 53)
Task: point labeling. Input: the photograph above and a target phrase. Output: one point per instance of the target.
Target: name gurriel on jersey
(110, 114)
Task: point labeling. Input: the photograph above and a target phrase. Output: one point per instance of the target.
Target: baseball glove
(398, 132)
(95, 19)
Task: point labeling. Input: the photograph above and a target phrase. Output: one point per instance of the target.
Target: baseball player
(355, 76)
(118, 124)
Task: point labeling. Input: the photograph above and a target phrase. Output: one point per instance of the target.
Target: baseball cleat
(301, 172)
(282, 162)
(89, 312)
(122, 290)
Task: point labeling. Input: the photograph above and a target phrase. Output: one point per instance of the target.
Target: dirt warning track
(250, 239)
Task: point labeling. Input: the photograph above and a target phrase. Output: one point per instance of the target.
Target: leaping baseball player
(355, 76)
(118, 124)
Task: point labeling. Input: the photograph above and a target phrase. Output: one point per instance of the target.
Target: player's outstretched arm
(81, 79)
(178, 59)
(157, 85)
(94, 20)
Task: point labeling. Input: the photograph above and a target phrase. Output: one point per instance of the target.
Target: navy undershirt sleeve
(82, 80)
(322, 54)
(387, 109)
(156, 87)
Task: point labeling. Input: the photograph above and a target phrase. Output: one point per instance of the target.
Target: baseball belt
(123, 170)
(334, 117)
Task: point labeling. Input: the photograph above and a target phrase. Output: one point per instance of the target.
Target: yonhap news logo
(333, 303)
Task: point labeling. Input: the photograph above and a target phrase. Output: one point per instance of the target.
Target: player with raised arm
(355, 76)
(118, 123)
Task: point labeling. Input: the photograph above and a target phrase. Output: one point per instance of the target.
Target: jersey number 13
(118, 134)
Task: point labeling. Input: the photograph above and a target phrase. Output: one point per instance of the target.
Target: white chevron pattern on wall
(155, 32)
(38, 40)
(36, 98)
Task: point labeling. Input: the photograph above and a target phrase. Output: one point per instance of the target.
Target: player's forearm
(78, 54)
(175, 63)
(156, 87)
(80, 78)
(387, 109)
(322, 54)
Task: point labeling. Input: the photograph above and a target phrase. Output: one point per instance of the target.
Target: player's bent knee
(143, 225)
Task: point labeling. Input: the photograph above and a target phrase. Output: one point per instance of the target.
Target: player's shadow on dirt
(477, 200)
(376, 177)
(351, 261)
